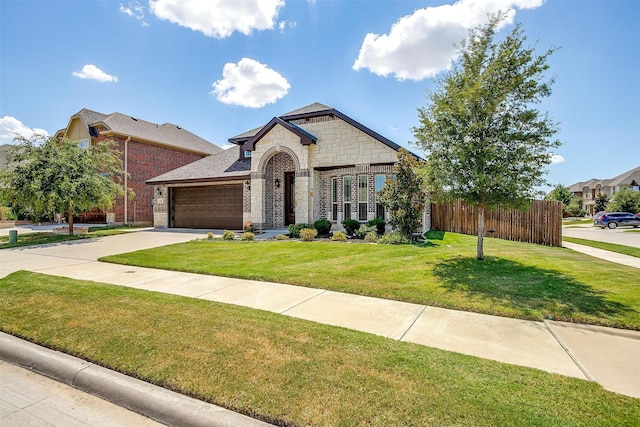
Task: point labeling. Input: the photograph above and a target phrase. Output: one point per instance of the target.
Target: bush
(339, 236)
(294, 229)
(323, 226)
(282, 237)
(247, 235)
(6, 214)
(209, 236)
(308, 234)
(379, 223)
(228, 235)
(371, 237)
(363, 230)
(393, 238)
(350, 226)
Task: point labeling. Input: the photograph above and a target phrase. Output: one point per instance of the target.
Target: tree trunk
(480, 251)
(70, 220)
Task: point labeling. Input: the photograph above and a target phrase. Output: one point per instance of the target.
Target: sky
(221, 67)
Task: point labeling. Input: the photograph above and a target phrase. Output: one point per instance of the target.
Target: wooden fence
(541, 224)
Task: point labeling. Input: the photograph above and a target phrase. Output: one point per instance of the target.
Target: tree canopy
(625, 200)
(486, 142)
(56, 175)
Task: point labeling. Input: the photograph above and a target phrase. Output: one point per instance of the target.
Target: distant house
(147, 150)
(311, 163)
(588, 190)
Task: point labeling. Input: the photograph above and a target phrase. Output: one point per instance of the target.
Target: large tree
(485, 141)
(625, 200)
(50, 175)
(404, 196)
(561, 194)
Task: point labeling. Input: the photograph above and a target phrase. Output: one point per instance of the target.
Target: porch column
(304, 197)
(257, 200)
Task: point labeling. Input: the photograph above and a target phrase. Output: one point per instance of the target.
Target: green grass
(289, 371)
(621, 249)
(576, 221)
(43, 238)
(515, 280)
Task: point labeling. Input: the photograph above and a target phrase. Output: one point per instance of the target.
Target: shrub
(6, 214)
(363, 230)
(371, 237)
(350, 226)
(339, 236)
(294, 229)
(308, 234)
(248, 226)
(393, 238)
(228, 235)
(247, 235)
(323, 226)
(379, 223)
(282, 237)
(209, 236)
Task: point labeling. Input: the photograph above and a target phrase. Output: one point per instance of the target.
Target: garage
(212, 207)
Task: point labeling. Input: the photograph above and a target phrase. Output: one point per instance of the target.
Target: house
(311, 163)
(588, 190)
(147, 150)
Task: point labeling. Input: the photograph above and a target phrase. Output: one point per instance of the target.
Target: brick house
(311, 163)
(147, 150)
(588, 190)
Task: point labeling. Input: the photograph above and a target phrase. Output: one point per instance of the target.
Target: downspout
(126, 173)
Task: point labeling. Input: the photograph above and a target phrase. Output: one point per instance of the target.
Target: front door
(289, 198)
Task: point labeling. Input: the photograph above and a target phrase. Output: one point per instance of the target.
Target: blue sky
(219, 68)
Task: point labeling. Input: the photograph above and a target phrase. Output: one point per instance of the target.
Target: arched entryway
(279, 190)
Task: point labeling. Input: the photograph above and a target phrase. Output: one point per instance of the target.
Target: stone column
(257, 200)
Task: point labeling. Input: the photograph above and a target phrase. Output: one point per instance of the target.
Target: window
(363, 182)
(247, 153)
(346, 196)
(334, 199)
(380, 179)
(83, 143)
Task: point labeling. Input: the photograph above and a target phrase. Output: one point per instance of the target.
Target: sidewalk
(605, 355)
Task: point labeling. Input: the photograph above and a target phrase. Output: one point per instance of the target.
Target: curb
(159, 404)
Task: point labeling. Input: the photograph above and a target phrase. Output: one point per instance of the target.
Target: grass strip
(515, 280)
(43, 238)
(288, 371)
(621, 249)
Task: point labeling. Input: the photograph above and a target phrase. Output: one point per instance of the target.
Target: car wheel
(612, 225)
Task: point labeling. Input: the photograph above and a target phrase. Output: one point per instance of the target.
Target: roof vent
(178, 127)
(134, 119)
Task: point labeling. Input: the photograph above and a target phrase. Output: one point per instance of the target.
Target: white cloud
(10, 127)
(423, 44)
(556, 158)
(250, 84)
(92, 72)
(219, 18)
(134, 10)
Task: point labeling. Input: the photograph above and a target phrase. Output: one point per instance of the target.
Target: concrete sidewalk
(606, 355)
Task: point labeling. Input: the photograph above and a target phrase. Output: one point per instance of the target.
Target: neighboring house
(147, 150)
(588, 190)
(311, 163)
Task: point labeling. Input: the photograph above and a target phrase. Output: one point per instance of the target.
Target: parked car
(617, 219)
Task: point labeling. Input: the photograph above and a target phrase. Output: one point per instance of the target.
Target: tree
(57, 175)
(600, 203)
(575, 207)
(561, 194)
(485, 141)
(404, 197)
(625, 200)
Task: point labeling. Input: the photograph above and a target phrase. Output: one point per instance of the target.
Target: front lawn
(43, 238)
(515, 280)
(289, 371)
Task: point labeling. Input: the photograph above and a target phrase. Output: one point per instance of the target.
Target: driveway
(621, 236)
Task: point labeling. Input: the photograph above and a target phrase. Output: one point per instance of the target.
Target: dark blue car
(617, 219)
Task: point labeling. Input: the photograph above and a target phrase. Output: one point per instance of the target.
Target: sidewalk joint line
(566, 349)
(304, 301)
(413, 323)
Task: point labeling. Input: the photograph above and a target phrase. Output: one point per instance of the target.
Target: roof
(625, 178)
(313, 108)
(166, 134)
(220, 166)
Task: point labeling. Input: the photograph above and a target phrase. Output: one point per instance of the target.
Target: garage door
(218, 206)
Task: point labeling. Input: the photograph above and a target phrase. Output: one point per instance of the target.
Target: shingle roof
(166, 134)
(626, 178)
(313, 108)
(90, 116)
(220, 166)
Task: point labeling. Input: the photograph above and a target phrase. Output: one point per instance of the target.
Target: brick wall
(145, 161)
